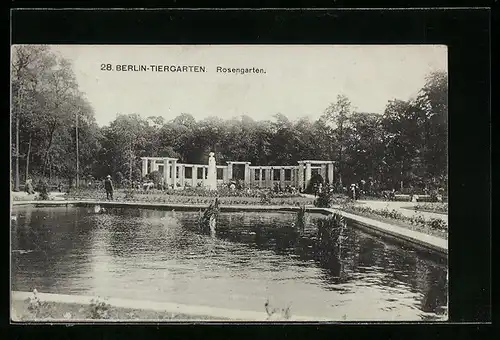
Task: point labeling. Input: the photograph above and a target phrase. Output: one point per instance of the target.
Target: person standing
(29, 187)
(353, 191)
(108, 186)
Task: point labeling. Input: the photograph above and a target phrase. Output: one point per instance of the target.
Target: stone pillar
(292, 177)
(144, 167)
(151, 165)
(250, 176)
(174, 174)
(330, 172)
(260, 178)
(155, 165)
(247, 175)
(166, 173)
(323, 171)
(182, 175)
(282, 178)
(271, 177)
(308, 174)
(194, 176)
(224, 174)
(300, 180)
(229, 171)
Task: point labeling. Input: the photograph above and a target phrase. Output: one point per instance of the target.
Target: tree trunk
(50, 169)
(340, 154)
(46, 157)
(20, 95)
(16, 188)
(28, 158)
(130, 164)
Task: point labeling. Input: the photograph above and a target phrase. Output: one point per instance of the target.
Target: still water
(160, 256)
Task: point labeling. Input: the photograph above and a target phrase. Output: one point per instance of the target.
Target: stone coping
(191, 310)
(410, 237)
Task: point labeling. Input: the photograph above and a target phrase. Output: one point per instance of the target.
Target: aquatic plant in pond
(329, 242)
(330, 229)
(208, 219)
(300, 219)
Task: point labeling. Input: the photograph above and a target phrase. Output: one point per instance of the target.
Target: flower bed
(190, 197)
(433, 226)
(440, 208)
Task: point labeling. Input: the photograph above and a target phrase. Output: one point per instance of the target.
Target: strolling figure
(353, 191)
(108, 185)
(29, 187)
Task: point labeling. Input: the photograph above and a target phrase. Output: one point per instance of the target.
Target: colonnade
(174, 173)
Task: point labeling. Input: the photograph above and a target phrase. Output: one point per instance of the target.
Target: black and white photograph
(233, 183)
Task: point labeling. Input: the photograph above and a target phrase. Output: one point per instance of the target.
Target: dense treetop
(408, 142)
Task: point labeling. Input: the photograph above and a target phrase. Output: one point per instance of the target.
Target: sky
(299, 80)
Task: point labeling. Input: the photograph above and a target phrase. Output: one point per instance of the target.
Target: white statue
(212, 173)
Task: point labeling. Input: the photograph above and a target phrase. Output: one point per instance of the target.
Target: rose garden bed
(434, 226)
(438, 208)
(190, 196)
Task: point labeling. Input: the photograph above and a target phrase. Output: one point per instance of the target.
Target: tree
(365, 149)
(45, 102)
(338, 115)
(126, 138)
(27, 62)
(433, 103)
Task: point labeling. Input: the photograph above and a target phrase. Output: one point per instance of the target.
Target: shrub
(438, 224)
(119, 178)
(265, 198)
(129, 194)
(43, 189)
(325, 198)
(155, 177)
(315, 180)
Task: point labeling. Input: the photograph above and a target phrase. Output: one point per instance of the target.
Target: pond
(158, 255)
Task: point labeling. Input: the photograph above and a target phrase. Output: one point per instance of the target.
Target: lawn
(67, 312)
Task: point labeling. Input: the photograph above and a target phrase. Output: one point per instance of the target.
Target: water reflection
(160, 255)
